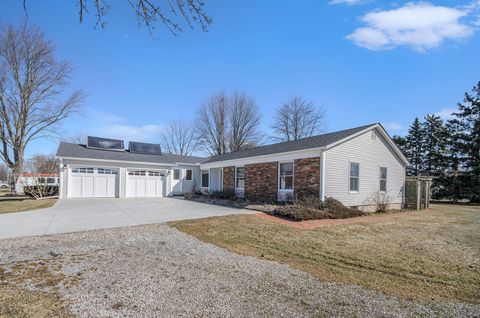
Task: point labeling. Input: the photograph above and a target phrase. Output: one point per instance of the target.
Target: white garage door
(91, 182)
(144, 184)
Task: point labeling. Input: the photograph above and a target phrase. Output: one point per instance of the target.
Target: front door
(177, 181)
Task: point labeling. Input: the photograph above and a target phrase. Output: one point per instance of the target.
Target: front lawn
(10, 206)
(427, 255)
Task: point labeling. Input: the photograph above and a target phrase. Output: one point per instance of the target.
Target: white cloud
(420, 25)
(150, 132)
(349, 2)
(103, 124)
(393, 126)
(446, 113)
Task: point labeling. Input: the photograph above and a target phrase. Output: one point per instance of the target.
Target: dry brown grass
(428, 255)
(5, 192)
(29, 289)
(11, 206)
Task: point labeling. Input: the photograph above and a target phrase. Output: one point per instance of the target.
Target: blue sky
(362, 61)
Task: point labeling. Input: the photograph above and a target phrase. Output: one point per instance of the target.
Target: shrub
(381, 201)
(41, 191)
(226, 194)
(312, 208)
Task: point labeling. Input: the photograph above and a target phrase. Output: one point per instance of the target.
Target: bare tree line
(35, 97)
(232, 123)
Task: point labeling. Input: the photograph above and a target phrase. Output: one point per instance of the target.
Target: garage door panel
(102, 184)
(112, 187)
(76, 186)
(151, 188)
(143, 183)
(141, 187)
(88, 186)
(88, 182)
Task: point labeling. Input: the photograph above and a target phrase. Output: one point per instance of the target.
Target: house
(28, 179)
(352, 165)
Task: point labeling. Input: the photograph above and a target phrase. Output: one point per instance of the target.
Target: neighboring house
(37, 179)
(351, 165)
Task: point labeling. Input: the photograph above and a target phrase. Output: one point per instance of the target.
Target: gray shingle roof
(301, 144)
(81, 151)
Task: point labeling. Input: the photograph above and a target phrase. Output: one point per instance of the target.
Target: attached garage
(104, 168)
(145, 183)
(93, 182)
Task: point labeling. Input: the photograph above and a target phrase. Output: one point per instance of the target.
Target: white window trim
(350, 177)
(380, 179)
(293, 176)
(236, 178)
(186, 174)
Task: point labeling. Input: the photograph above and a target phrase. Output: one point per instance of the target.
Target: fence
(417, 192)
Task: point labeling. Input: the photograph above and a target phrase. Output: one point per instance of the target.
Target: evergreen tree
(465, 128)
(414, 144)
(400, 142)
(434, 156)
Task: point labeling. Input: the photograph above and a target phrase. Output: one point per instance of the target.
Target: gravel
(155, 270)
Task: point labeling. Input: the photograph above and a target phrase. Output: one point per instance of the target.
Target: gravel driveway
(157, 271)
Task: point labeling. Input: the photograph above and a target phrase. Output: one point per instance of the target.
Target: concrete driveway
(74, 215)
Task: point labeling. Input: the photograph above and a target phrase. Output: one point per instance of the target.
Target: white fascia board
(283, 156)
(187, 164)
(120, 161)
(384, 135)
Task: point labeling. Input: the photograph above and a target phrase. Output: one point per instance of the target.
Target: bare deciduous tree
(38, 178)
(244, 120)
(41, 163)
(75, 139)
(4, 172)
(226, 124)
(33, 92)
(211, 124)
(179, 138)
(296, 119)
(170, 13)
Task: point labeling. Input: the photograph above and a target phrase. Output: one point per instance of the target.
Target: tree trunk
(17, 170)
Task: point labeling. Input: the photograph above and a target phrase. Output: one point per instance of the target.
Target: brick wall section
(307, 177)
(261, 180)
(228, 178)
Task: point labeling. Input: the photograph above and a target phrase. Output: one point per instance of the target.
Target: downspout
(322, 174)
(60, 180)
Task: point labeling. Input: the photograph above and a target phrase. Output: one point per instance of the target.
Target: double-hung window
(354, 176)
(383, 179)
(204, 178)
(188, 175)
(286, 176)
(240, 178)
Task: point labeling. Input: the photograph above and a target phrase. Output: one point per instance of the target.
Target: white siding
(189, 185)
(371, 154)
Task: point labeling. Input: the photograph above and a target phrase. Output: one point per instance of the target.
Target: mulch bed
(313, 224)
